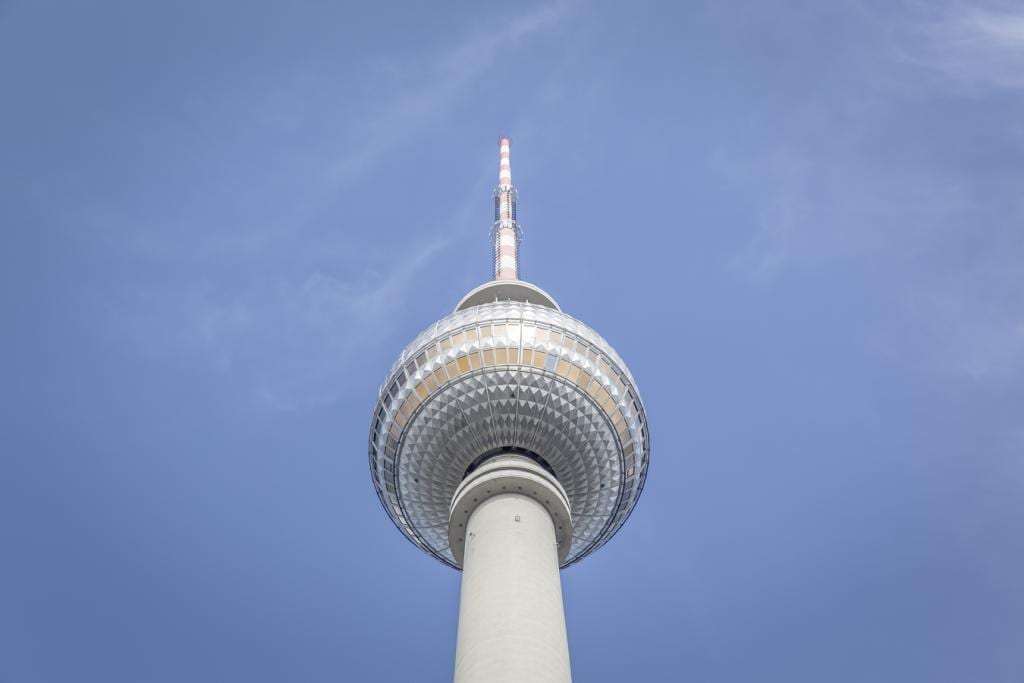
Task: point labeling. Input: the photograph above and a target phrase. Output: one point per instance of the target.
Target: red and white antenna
(505, 233)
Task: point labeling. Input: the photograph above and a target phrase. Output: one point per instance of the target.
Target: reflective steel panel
(508, 374)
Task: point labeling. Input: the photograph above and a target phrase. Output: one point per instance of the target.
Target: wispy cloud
(940, 236)
(305, 141)
(436, 81)
(969, 45)
(943, 312)
(969, 326)
(818, 207)
(291, 342)
(782, 223)
(291, 339)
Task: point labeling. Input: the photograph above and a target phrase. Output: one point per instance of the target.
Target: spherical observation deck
(504, 373)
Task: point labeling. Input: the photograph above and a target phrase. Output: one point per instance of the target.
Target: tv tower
(509, 441)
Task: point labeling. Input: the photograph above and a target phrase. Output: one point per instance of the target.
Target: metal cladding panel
(500, 375)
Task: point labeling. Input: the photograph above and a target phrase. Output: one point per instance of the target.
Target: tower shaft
(511, 618)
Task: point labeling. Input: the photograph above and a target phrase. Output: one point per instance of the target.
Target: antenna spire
(505, 234)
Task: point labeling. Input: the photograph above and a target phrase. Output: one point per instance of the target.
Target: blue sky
(223, 220)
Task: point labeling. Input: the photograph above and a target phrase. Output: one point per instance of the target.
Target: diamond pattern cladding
(499, 375)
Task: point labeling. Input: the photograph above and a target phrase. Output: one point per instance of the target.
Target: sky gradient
(224, 220)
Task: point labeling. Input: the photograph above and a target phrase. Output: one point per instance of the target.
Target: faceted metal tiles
(508, 374)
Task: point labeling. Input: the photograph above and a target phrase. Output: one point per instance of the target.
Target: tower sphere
(508, 371)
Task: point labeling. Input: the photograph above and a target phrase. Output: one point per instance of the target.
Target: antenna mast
(505, 234)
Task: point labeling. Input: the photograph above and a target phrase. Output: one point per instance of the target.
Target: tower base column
(507, 520)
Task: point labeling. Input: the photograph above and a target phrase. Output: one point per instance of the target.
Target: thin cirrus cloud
(823, 206)
(287, 343)
(309, 325)
(826, 200)
(289, 337)
(439, 79)
(960, 320)
(971, 46)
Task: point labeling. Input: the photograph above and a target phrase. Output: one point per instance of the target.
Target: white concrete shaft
(511, 619)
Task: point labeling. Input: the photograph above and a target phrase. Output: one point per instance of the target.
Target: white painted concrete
(509, 473)
(507, 290)
(511, 620)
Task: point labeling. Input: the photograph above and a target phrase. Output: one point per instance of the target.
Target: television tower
(509, 440)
